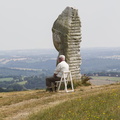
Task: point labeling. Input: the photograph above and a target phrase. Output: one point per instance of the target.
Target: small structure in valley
(67, 37)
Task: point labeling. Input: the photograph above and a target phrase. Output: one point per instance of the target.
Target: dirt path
(21, 110)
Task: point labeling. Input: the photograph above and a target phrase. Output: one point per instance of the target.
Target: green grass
(21, 83)
(102, 106)
(6, 79)
(105, 78)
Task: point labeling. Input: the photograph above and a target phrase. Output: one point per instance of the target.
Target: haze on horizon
(27, 24)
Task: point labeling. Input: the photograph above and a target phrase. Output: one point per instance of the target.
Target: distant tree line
(15, 72)
(90, 65)
(29, 82)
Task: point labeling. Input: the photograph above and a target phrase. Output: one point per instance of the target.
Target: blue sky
(27, 24)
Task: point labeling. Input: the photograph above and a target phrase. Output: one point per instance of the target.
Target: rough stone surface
(67, 37)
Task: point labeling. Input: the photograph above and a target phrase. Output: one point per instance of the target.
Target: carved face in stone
(56, 40)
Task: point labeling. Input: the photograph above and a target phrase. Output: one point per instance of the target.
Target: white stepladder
(66, 77)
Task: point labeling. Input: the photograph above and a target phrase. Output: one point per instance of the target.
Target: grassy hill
(86, 103)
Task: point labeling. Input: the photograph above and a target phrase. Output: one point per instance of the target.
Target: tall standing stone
(67, 37)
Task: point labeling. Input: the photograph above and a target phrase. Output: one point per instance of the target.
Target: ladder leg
(65, 82)
(71, 82)
(59, 85)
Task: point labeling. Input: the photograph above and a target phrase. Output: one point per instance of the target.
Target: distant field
(105, 78)
(6, 79)
(22, 83)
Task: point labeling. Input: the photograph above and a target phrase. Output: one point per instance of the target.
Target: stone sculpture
(67, 37)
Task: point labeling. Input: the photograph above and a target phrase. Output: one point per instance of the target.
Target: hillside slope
(19, 105)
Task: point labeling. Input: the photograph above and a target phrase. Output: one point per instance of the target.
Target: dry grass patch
(19, 105)
(100, 105)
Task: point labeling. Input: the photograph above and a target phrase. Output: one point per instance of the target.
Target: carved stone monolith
(67, 37)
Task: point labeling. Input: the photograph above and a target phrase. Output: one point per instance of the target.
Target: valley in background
(27, 69)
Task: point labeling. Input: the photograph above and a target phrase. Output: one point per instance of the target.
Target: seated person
(62, 66)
